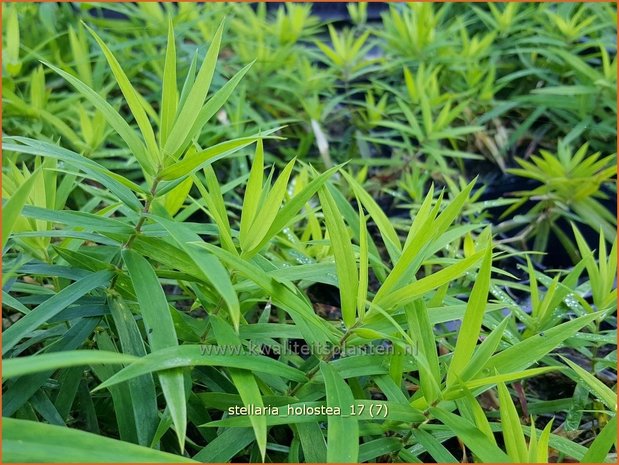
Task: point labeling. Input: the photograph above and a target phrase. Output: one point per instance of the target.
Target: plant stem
(138, 226)
(325, 358)
(145, 211)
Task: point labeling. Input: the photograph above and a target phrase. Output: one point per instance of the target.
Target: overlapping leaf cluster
(156, 273)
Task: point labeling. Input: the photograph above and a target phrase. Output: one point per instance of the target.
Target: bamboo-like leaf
(253, 192)
(113, 118)
(134, 101)
(269, 209)
(169, 91)
(472, 437)
(541, 455)
(142, 389)
(421, 331)
(594, 385)
(214, 104)
(244, 381)
(312, 442)
(343, 432)
(208, 264)
(161, 334)
(345, 264)
(225, 445)
(19, 366)
(525, 353)
(309, 324)
(513, 435)
(13, 206)
(362, 287)
(30, 441)
(438, 452)
(483, 352)
(419, 236)
(599, 448)
(471, 323)
(412, 291)
(387, 231)
(188, 113)
(189, 355)
(292, 207)
(119, 185)
(51, 307)
(198, 160)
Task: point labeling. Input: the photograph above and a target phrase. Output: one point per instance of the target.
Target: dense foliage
(389, 241)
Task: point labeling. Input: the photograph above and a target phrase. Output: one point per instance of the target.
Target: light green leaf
(594, 385)
(599, 448)
(410, 292)
(526, 352)
(29, 441)
(188, 113)
(189, 355)
(471, 436)
(51, 307)
(513, 435)
(210, 266)
(19, 366)
(134, 102)
(343, 430)
(345, 264)
(471, 323)
(253, 192)
(198, 160)
(12, 208)
(268, 210)
(161, 334)
(244, 381)
(114, 119)
(169, 92)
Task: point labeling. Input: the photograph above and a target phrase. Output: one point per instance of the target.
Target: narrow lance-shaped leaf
(51, 307)
(599, 448)
(114, 119)
(513, 435)
(471, 436)
(292, 206)
(19, 366)
(268, 209)
(526, 352)
(214, 103)
(387, 231)
(210, 266)
(362, 289)
(244, 381)
(419, 237)
(188, 114)
(473, 316)
(412, 291)
(594, 385)
(345, 264)
(161, 334)
(169, 91)
(189, 355)
(142, 389)
(195, 161)
(421, 331)
(13, 206)
(30, 441)
(343, 430)
(253, 192)
(133, 100)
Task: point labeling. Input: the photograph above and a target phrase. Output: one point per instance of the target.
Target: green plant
(570, 188)
(173, 255)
